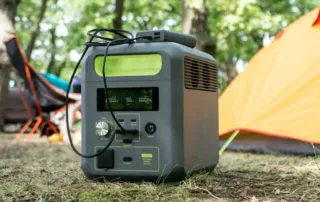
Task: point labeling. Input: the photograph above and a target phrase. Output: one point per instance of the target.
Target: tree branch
(142, 25)
(36, 29)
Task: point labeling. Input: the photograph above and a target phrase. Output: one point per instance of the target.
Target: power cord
(107, 42)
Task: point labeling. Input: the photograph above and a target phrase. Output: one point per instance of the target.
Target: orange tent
(274, 105)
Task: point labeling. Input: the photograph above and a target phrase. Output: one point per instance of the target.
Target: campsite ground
(44, 172)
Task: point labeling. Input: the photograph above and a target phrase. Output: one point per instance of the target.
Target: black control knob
(150, 128)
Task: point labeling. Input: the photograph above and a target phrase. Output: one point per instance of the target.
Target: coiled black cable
(107, 42)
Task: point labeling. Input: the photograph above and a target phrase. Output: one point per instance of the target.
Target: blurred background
(52, 32)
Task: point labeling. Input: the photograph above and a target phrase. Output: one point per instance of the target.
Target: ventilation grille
(200, 74)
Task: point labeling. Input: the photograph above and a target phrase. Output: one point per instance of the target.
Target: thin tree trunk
(195, 22)
(7, 13)
(117, 22)
(4, 81)
(36, 29)
(52, 61)
(60, 68)
(258, 39)
(230, 70)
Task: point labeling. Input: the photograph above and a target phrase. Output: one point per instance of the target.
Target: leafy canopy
(239, 27)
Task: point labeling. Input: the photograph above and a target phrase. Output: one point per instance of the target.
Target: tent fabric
(278, 93)
(255, 142)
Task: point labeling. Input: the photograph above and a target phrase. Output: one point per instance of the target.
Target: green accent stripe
(228, 142)
(129, 65)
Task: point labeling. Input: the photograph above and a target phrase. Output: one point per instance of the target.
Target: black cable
(115, 31)
(108, 44)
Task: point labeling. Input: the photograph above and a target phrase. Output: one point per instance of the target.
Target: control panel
(129, 152)
(131, 123)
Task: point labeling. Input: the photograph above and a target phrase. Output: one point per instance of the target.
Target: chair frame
(39, 120)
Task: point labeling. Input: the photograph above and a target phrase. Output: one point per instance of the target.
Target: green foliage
(25, 19)
(152, 14)
(238, 26)
(72, 20)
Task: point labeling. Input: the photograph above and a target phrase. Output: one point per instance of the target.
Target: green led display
(129, 65)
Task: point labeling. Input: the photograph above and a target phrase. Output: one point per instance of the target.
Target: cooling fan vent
(200, 74)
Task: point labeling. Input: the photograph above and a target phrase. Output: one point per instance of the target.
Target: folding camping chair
(45, 98)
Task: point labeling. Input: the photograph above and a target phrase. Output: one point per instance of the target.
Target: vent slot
(200, 74)
(195, 73)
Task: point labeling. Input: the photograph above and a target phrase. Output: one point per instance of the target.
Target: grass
(39, 171)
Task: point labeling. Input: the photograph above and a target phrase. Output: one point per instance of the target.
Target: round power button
(150, 128)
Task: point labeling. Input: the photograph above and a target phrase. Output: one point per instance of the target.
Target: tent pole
(228, 142)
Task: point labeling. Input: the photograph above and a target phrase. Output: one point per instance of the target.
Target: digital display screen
(128, 99)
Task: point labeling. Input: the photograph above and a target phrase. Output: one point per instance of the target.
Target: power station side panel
(201, 139)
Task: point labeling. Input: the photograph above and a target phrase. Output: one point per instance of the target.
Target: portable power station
(165, 93)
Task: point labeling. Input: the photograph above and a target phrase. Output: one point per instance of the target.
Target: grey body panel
(176, 147)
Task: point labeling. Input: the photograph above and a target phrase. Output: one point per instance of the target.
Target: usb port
(133, 120)
(157, 33)
(119, 131)
(133, 132)
(121, 120)
(157, 37)
(127, 159)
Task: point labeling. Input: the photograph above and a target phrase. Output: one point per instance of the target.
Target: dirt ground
(39, 171)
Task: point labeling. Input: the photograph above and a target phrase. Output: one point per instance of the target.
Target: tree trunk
(258, 39)
(60, 68)
(117, 21)
(36, 29)
(8, 10)
(230, 70)
(52, 61)
(4, 80)
(195, 22)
